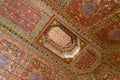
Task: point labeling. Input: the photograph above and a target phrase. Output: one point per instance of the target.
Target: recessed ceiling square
(58, 38)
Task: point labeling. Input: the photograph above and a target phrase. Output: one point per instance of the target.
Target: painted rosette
(89, 8)
(35, 76)
(4, 60)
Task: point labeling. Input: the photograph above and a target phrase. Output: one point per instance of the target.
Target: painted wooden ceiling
(59, 39)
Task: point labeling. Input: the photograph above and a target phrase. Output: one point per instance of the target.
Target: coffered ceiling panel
(59, 39)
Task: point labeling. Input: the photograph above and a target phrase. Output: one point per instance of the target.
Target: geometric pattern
(113, 59)
(65, 48)
(104, 72)
(89, 12)
(110, 34)
(86, 60)
(60, 3)
(36, 70)
(22, 63)
(59, 39)
(10, 57)
(19, 12)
